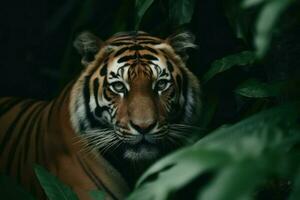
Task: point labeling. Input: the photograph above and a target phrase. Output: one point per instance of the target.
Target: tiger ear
(87, 46)
(181, 42)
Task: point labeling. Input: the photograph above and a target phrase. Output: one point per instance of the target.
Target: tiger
(134, 101)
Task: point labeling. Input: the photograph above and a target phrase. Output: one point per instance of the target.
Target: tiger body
(46, 138)
(109, 124)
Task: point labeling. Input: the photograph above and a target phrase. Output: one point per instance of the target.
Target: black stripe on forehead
(149, 42)
(121, 43)
(135, 48)
(136, 56)
(149, 57)
(127, 58)
(120, 51)
(148, 38)
(150, 49)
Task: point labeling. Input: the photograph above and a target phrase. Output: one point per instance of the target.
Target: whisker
(91, 133)
(96, 140)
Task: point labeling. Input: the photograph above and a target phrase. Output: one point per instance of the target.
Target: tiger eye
(118, 87)
(161, 85)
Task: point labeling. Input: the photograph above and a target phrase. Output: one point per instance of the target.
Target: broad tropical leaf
(235, 181)
(141, 6)
(256, 89)
(181, 11)
(54, 188)
(97, 195)
(177, 170)
(226, 63)
(224, 150)
(266, 21)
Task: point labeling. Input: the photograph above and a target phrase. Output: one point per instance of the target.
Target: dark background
(36, 36)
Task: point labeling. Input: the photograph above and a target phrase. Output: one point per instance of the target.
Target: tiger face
(135, 96)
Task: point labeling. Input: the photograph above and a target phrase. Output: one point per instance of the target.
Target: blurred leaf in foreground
(261, 141)
(54, 188)
(233, 182)
(175, 171)
(97, 195)
(266, 21)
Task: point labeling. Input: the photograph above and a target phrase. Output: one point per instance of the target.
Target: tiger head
(135, 96)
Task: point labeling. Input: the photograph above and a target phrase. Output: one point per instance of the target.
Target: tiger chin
(134, 102)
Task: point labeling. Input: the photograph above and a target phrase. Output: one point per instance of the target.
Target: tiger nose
(143, 128)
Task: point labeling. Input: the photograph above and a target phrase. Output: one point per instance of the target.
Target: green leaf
(256, 89)
(97, 195)
(53, 187)
(235, 181)
(11, 190)
(266, 22)
(254, 135)
(175, 171)
(239, 19)
(181, 11)
(141, 6)
(257, 144)
(250, 3)
(226, 63)
(249, 149)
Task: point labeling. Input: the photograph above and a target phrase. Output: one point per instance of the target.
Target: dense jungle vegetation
(248, 64)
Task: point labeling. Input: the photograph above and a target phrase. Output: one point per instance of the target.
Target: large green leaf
(235, 181)
(254, 135)
(249, 3)
(141, 6)
(250, 139)
(177, 170)
(226, 63)
(257, 89)
(266, 21)
(181, 11)
(239, 19)
(97, 195)
(53, 187)
(11, 190)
